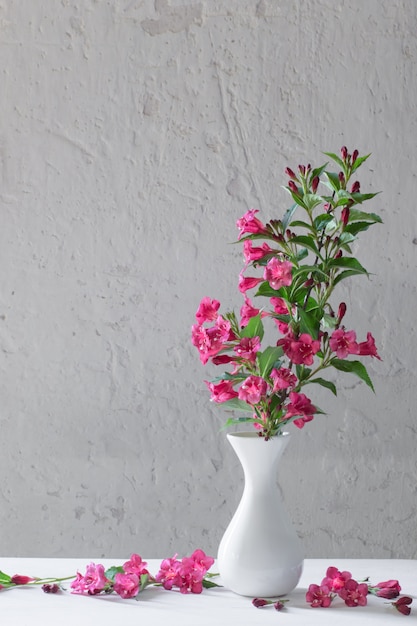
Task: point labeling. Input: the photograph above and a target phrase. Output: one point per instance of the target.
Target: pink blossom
(319, 595)
(280, 308)
(207, 310)
(209, 341)
(335, 579)
(247, 348)
(278, 273)
(249, 223)
(126, 585)
(344, 343)
(354, 593)
(300, 405)
(283, 378)
(135, 565)
(301, 350)
(247, 312)
(94, 581)
(222, 359)
(187, 574)
(252, 389)
(254, 254)
(248, 283)
(17, 579)
(222, 391)
(368, 348)
(388, 589)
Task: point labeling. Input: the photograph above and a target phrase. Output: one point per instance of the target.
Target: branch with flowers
(303, 259)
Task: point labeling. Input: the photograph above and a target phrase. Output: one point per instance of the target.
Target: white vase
(260, 554)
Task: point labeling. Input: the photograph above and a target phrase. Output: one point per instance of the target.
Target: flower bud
(355, 155)
(344, 152)
(290, 173)
(356, 187)
(278, 606)
(338, 254)
(17, 579)
(315, 184)
(402, 605)
(345, 215)
(341, 312)
(342, 178)
(302, 169)
(259, 602)
(293, 187)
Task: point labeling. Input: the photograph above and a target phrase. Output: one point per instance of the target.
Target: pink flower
(252, 389)
(280, 308)
(319, 595)
(248, 223)
(344, 343)
(247, 348)
(248, 283)
(17, 579)
(94, 581)
(254, 254)
(126, 585)
(207, 310)
(187, 574)
(300, 405)
(278, 273)
(368, 348)
(247, 312)
(209, 341)
(354, 593)
(402, 605)
(135, 565)
(301, 350)
(283, 378)
(222, 391)
(335, 579)
(388, 589)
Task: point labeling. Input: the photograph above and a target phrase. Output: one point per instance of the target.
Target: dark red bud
(17, 579)
(341, 177)
(345, 215)
(402, 605)
(355, 155)
(341, 312)
(315, 184)
(344, 153)
(302, 169)
(338, 254)
(259, 602)
(50, 588)
(293, 186)
(278, 606)
(356, 187)
(309, 283)
(290, 173)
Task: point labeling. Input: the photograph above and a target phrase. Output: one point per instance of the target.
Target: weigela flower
(248, 282)
(255, 253)
(247, 348)
(354, 593)
(252, 389)
(283, 378)
(17, 579)
(300, 405)
(222, 391)
(301, 351)
(135, 565)
(247, 311)
(126, 585)
(402, 605)
(278, 273)
(335, 579)
(187, 574)
(368, 348)
(207, 310)
(249, 223)
(93, 582)
(388, 589)
(319, 595)
(344, 343)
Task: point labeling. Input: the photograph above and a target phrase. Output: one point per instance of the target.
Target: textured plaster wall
(133, 134)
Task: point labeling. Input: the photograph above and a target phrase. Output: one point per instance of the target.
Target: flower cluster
(354, 593)
(188, 575)
(298, 275)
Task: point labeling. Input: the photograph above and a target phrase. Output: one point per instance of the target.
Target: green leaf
(288, 216)
(325, 383)
(301, 224)
(333, 179)
(144, 580)
(353, 367)
(318, 171)
(208, 584)
(297, 199)
(311, 200)
(361, 216)
(303, 372)
(357, 227)
(310, 322)
(336, 158)
(237, 405)
(348, 263)
(359, 162)
(232, 421)
(307, 242)
(268, 359)
(266, 290)
(344, 275)
(322, 220)
(112, 571)
(4, 578)
(254, 328)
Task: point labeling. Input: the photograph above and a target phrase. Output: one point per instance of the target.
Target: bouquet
(296, 265)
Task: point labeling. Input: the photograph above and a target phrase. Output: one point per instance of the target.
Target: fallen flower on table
(188, 575)
(278, 605)
(402, 605)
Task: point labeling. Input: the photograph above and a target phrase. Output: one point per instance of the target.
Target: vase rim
(247, 434)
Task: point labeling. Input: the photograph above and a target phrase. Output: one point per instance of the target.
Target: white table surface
(30, 606)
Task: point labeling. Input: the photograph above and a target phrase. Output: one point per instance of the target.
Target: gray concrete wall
(133, 134)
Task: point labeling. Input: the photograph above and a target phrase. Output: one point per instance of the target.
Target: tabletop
(32, 607)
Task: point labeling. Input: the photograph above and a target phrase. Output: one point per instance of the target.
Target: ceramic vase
(260, 554)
